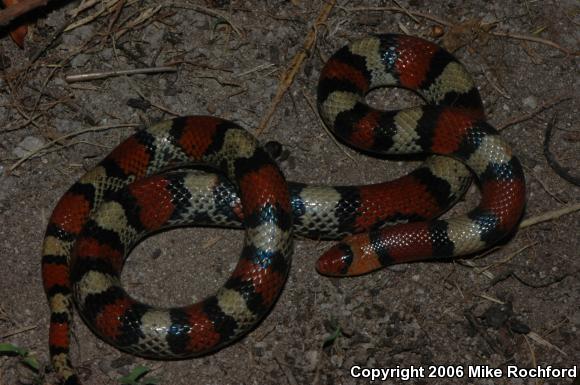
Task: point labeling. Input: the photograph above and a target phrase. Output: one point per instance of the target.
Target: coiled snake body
(100, 217)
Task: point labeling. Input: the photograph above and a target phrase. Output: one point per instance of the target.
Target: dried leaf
(18, 32)
(462, 34)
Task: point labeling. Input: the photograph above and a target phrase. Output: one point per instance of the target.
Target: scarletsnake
(125, 197)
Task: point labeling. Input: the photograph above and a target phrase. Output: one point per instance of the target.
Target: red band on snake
(101, 216)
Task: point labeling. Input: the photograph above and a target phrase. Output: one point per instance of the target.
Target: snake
(142, 187)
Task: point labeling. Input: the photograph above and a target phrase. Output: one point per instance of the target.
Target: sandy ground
(516, 305)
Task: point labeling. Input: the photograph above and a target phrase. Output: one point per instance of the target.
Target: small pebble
(312, 358)
(80, 60)
(531, 102)
(437, 31)
(156, 253)
(488, 19)
(495, 316)
(65, 125)
(28, 145)
(106, 54)
(211, 108)
(78, 35)
(519, 327)
(122, 362)
(259, 349)
(399, 268)
(139, 103)
(337, 360)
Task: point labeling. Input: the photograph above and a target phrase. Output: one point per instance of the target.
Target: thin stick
(536, 40)
(505, 259)
(107, 74)
(118, 8)
(288, 76)
(542, 107)
(47, 45)
(18, 331)
(141, 18)
(210, 12)
(69, 135)
(106, 8)
(83, 6)
(495, 86)
(401, 10)
(532, 352)
(543, 342)
(544, 186)
(12, 12)
(548, 216)
(407, 12)
(450, 24)
(258, 68)
(492, 299)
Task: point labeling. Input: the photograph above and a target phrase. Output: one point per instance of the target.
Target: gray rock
(531, 102)
(153, 35)
(78, 35)
(55, 19)
(312, 357)
(399, 268)
(80, 60)
(28, 145)
(65, 125)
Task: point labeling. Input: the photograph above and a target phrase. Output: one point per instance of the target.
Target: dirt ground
(516, 305)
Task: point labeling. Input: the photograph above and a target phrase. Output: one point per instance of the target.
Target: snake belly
(99, 219)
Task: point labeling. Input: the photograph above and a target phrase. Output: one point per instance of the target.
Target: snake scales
(99, 219)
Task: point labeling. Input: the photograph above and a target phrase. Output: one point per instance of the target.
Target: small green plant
(25, 357)
(335, 330)
(138, 377)
(329, 341)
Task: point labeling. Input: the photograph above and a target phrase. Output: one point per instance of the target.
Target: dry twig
(50, 41)
(140, 19)
(544, 106)
(107, 74)
(288, 76)
(400, 10)
(531, 172)
(543, 342)
(17, 331)
(548, 216)
(485, 269)
(106, 8)
(535, 40)
(484, 27)
(211, 12)
(67, 136)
